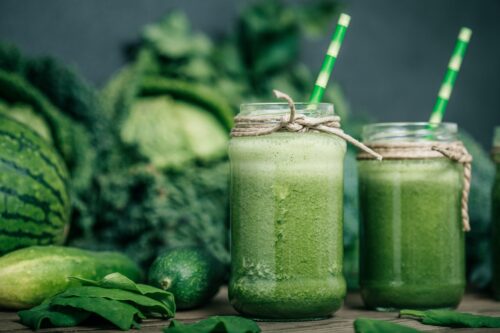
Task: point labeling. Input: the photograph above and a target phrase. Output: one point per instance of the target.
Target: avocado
(192, 274)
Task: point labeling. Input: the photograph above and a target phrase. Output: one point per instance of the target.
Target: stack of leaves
(115, 299)
(215, 324)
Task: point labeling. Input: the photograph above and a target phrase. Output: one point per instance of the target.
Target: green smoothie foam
(286, 225)
(412, 243)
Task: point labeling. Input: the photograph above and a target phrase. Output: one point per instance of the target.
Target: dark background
(391, 64)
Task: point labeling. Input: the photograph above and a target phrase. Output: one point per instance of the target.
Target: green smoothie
(286, 225)
(495, 222)
(412, 243)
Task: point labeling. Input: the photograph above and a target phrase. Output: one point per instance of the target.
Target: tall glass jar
(495, 222)
(411, 233)
(286, 220)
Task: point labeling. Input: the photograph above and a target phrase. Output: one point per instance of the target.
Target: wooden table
(341, 322)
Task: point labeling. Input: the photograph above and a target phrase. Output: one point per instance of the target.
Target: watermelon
(34, 196)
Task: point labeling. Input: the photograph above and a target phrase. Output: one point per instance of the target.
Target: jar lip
(410, 131)
(452, 126)
(280, 108)
(282, 103)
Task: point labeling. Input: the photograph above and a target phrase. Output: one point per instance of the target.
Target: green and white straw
(330, 58)
(451, 75)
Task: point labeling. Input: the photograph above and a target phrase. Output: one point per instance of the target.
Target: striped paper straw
(330, 58)
(451, 75)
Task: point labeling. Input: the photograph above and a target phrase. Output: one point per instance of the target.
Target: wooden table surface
(341, 322)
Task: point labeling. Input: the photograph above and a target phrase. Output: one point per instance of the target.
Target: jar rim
(410, 131)
(280, 108)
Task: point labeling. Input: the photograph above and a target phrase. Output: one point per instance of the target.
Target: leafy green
(176, 132)
(197, 94)
(115, 298)
(180, 40)
(215, 324)
(121, 314)
(119, 281)
(45, 315)
(64, 109)
(451, 318)
(24, 114)
(144, 304)
(368, 325)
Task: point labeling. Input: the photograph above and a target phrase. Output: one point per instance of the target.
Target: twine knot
(297, 123)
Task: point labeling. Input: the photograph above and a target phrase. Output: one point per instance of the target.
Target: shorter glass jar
(411, 237)
(286, 220)
(495, 220)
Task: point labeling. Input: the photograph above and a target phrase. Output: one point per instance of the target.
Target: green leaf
(368, 325)
(123, 315)
(115, 298)
(316, 19)
(119, 281)
(172, 37)
(41, 315)
(451, 318)
(145, 304)
(216, 324)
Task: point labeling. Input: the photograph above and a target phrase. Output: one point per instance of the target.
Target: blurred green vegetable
(60, 106)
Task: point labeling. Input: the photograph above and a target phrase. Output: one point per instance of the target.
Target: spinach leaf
(44, 315)
(451, 318)
(121, 314)
(368, 325)
(144, 303)
(119, 281)
(115, 298)
(215, 324)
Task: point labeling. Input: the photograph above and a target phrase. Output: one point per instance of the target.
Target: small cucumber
(192, 274)
(30, 275)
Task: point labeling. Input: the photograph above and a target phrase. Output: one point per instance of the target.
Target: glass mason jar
(495, 221)
(411, 237)
(286, 220)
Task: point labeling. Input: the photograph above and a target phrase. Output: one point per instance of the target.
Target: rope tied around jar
(298, 123)
(454, 151)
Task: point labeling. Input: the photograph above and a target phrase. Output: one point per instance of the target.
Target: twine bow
(267, 124)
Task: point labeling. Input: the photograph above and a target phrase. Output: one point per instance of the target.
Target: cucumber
(30, 275)
(192, 274)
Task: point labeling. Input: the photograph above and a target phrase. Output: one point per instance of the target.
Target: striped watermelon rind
(34, 198)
